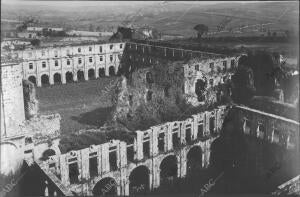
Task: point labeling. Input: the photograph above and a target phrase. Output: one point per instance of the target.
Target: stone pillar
(38, 80)
(85, 174)
(123, 154)
(168, 137)
(182, 162)
(195, 127)
(64, 170)
(105, 158)
(154, 140)
(165, 52)
(139, 145)
(206, 154)
(51, 79)
(46, 193)
(156, 173)
(75, 76)
(182, 132)
(63, 78)
(86, 74)
(99, 159)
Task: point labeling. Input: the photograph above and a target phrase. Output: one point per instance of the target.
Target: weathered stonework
(65, 63)
(188, 135)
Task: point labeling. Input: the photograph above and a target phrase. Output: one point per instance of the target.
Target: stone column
(182, 162)
(168, 137)
(105, 158)
(182, 132)
(139, 145)
(85, 174)
(123, 154)
(63, 77)
(154, 141)
(156, 173)
(64, 170)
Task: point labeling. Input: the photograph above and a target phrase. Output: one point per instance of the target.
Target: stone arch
(10, 164)
(168, 169)
(80, 75)
(101, 72)
(69, 77)
(57, 78)
(45, 80)
(32, 79)
(106, 186)
(47, 153)
(139, 180)
(112, 71)
(194, 160)
(91, 74)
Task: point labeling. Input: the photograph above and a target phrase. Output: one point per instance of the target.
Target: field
(81, 105)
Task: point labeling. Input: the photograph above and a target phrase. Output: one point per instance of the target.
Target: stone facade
(269, 127)
(148, 149)
(64, 64)
(20, 137)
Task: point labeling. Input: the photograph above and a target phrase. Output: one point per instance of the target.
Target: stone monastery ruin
(152, 73)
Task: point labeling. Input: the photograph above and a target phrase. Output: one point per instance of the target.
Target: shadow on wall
(96, 117)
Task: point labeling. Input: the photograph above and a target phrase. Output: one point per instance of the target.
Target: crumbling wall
(42, 127)
(30, 101)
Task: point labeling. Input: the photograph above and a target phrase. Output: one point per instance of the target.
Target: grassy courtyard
(81, 105)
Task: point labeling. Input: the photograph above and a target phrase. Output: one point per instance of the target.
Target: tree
(201, 29)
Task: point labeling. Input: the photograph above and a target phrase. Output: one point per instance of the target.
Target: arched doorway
(47, 153)
(45, 80)
(32, 79)
(200, 88)
(106, 186)
(80, 75)
(101, 72)
(139, 180)
(91, 74)
(57, 78)
(194, 160)
(168, 170)
(69, 77)
(112, 71)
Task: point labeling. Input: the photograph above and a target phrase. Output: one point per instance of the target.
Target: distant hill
(167, 17)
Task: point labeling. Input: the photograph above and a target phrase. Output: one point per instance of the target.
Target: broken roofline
(221, 108)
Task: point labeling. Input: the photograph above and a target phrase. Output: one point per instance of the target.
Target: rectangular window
(55, 53)
(30, 66)
(30, 54)
(79, 60)
(111, 47)
(90, 59)
(130, 153)
(200, 130)
(212, 124)
(56, 63)
(276, 136)
(111, 58)
(113, 161)
(43, 53)
(90, 49)
(175, 140)
(100, 49)
(224, 65)
(161, 142)
(68, 52)
(43, 64)
(146, 149)
(197, 67)
(211, 66)
(79, 50)
(232, 63)
(73, 173)
(121, 46)
(68, 62)
(101, 58)
(188, 135)
(93, 167)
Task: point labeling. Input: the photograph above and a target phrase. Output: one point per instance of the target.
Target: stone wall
(12, 101)
(94, 60)
(195, 131)
(30, 101)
